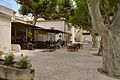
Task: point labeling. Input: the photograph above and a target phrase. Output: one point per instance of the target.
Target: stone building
(60, 25)
(5, 28)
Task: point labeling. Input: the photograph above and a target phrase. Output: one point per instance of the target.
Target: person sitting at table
(59, 43)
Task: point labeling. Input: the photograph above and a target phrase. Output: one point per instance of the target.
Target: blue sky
(10, 4)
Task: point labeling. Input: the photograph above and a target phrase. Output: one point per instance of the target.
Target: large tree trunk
(94, 39)
(110, 38)
(100, 52)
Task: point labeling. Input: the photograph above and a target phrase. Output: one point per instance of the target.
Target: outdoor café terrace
(20, 35)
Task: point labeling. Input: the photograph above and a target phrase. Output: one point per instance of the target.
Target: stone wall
(5, 33)
(5, 28)
(12, 73)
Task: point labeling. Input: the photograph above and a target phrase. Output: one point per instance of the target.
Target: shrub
(23, 63)
(9, 58)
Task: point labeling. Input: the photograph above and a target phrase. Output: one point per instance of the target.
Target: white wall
(5, 33)
(84, 38)
(59, 25)
(6, 10)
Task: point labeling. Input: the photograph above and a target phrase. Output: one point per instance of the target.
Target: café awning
(24, 24)
(39, 30)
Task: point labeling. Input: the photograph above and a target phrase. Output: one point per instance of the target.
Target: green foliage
(9, 58)
(32, 6)
(65, 8)
(108, 8)
(48, 9)
(76, 13)
(81, 17)
(23, 63)
(30, 35)
(38, 8)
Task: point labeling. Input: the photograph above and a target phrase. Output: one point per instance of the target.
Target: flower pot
(12, 73)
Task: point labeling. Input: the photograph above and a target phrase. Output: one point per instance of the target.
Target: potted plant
(16, 70)
(24, 63)
(9, 59)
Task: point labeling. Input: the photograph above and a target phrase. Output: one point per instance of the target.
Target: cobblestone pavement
(64, 65)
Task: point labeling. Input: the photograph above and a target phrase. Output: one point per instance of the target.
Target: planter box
(12, 73)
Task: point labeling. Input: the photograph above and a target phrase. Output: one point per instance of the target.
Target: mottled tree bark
(100, 49)
(95, 41)
(110, 38)
(94, 38)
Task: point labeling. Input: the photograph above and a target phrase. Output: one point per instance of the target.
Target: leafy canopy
(82, 19)
(81, 16)
(48, 9)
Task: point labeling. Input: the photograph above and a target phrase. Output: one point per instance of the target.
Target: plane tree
(110, 34)
(47, 9)
(109, 29)
(38, 8)
(82, 20)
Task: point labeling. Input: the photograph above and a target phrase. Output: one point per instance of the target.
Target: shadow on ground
(52, 50)
(95, 54)
(100, 70)
(3, 79)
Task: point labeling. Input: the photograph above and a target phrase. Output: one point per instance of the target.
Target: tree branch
(115, 24)
(97, 21)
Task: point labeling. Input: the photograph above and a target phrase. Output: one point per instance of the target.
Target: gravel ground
(64, 65)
